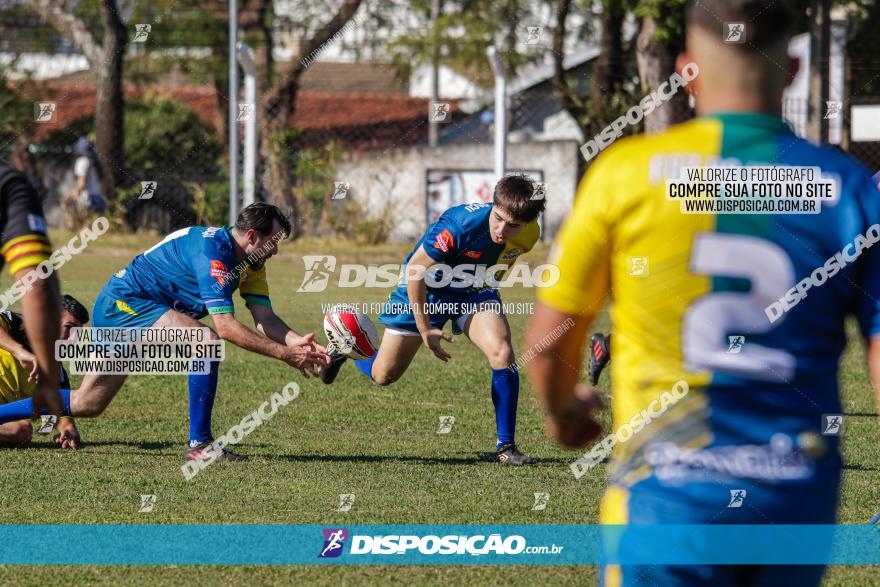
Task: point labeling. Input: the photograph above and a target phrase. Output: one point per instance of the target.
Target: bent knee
(89, 410)
(384, 379)
(92, 412)
(501, 356)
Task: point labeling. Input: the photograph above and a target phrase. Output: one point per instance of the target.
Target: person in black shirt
(24, 247)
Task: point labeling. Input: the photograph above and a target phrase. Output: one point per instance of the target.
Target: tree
(13, 110)
(461, 35)
(106, 58)
(202, 25)
(660, 40)
(609, 93)
(277, 106)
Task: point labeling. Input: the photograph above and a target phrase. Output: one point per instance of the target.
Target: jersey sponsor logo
(219, 270)
(210, 232)
(511, 254)
(473, 254)
(444, 241)
(779, 460)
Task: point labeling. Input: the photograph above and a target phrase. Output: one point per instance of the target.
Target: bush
(349, 219)
(165, 138)
(167, 142)
(16, 113)
(211, 202)
(314, 171)
(169, 208)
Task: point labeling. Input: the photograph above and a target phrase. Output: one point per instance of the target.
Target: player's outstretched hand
(576, 426)
(305, 354)
(308, 341)
(432, 338)
(69, 437)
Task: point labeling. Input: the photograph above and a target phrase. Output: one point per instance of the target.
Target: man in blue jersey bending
(192, 273)
(480, 236)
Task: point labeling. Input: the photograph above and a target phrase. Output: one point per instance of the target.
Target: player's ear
(682, 61)
(252, 236)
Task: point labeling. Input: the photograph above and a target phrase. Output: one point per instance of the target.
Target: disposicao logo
(334, 540)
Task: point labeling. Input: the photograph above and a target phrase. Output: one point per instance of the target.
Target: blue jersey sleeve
(443, 238)
(213, 273)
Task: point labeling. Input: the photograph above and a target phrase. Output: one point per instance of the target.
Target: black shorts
(24, 240)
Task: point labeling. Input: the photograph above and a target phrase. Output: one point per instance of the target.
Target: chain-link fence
(352, 145)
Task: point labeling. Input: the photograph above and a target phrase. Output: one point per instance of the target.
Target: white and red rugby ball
(351, 332)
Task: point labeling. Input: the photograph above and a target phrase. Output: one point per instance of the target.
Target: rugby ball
(351, 332)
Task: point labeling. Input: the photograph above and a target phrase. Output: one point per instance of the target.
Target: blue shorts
(117, 307)
(649, 502)
(442, 307)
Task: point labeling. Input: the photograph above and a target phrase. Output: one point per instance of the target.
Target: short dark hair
(76, 309)
(261, 217)
(516, 194)
(768, 23)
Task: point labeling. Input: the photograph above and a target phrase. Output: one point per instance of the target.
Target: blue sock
(22, 409)
(202, 389)
(366, 366)
(505, 395)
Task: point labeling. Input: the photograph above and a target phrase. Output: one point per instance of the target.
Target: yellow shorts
(14, 384)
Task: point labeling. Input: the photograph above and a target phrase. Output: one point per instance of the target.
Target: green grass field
(380, 444)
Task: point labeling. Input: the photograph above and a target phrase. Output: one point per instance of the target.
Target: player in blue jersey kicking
(478, 235)
(192, 273)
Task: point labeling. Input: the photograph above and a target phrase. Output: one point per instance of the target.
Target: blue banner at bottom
(272, 544)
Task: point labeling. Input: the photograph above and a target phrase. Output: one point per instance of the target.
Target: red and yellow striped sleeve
(25, 251)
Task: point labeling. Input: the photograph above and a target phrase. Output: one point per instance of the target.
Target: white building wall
(398, 178)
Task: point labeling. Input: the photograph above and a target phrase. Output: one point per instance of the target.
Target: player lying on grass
(747, 440)
(192, 273)
(479, 235)
(24, 248)
(18, 375)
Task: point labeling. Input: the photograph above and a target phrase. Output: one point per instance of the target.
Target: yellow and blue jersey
(193, 271)
(17, 381)
(688, 296)
(14, 383)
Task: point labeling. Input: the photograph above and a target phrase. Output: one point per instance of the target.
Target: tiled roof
(361, 120)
